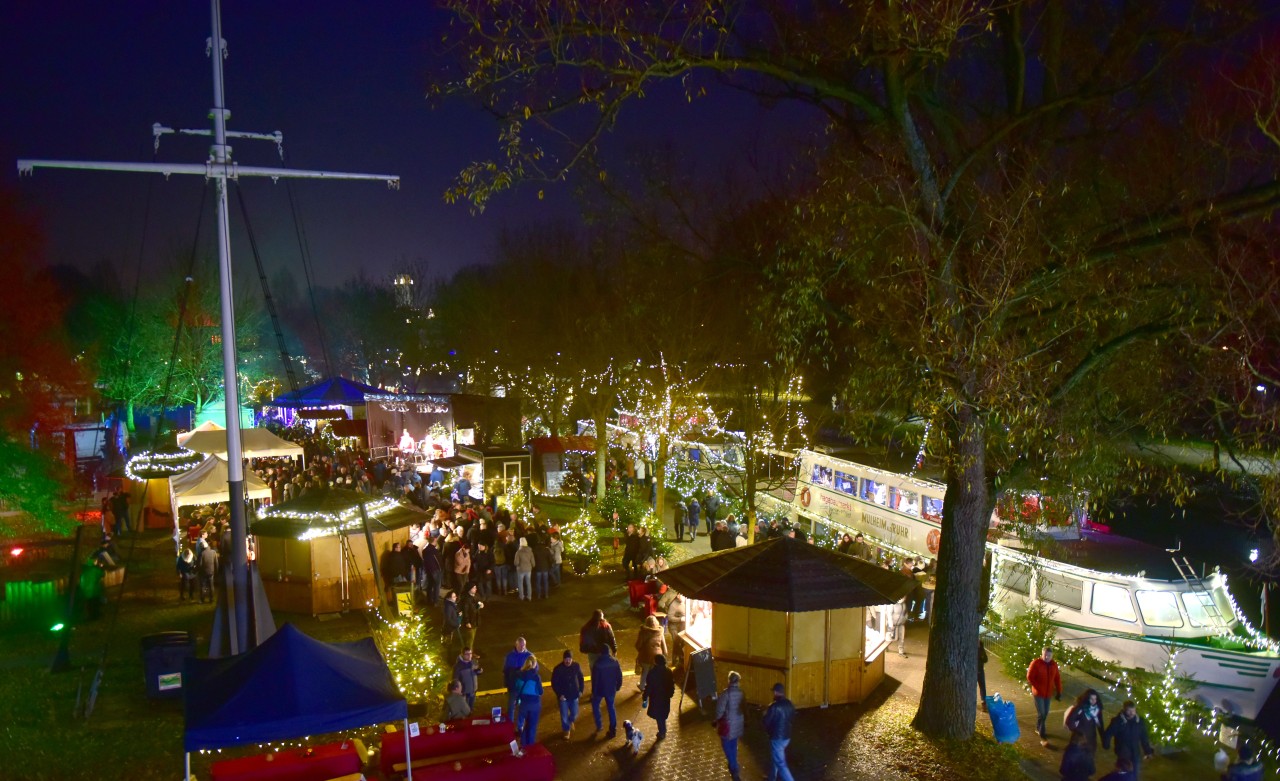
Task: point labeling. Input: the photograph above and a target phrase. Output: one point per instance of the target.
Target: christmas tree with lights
(581, 542)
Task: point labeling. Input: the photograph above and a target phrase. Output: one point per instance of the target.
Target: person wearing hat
(778, 719)
(568, 684)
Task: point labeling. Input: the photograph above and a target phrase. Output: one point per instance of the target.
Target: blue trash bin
(1004, 719)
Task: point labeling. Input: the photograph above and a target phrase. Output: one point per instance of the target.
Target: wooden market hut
(792, 612)
(312, 551)
(553, 457)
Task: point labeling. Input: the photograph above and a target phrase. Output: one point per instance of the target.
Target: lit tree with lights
(999, 242)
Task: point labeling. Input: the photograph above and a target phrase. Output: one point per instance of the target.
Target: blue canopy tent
(290, 686)
(328, 392)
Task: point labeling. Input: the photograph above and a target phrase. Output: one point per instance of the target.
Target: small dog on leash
(634, 736)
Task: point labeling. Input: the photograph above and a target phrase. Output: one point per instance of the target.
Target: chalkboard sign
(704, 673)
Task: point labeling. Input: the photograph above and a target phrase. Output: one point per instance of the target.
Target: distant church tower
(403, 283)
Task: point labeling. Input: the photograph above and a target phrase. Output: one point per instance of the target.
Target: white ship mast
(220, 168)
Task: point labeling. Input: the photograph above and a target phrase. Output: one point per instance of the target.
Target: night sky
(344, 82)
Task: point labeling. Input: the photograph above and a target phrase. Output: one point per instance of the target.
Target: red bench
(468, 750)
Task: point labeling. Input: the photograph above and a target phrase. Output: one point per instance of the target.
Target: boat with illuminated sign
(1121, 599)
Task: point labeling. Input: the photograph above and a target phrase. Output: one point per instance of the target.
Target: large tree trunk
(949, 695)
(660, 460)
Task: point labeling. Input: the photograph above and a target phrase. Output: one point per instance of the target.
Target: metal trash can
(162, 658)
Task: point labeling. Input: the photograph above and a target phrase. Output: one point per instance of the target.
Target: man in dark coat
(711, 507)
(695, 511)
(452, 620)
(208, 568)
(606, 680)
(1129, 732)
(630, 548)
(431, 567)
(681, 518)
(568, 684)
(721, 539)
(659, 687)
(778, 719)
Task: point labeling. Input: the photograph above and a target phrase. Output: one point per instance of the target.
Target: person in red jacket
(1045, 681)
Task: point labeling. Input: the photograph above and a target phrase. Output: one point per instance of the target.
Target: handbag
(722, 726)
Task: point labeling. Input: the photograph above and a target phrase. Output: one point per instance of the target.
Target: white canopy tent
(208, 425)
(254, 443)
(207, 484)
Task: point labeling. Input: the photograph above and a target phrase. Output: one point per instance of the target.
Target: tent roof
(208, 425)
(788, 575)
(254, 443)
(333, 390)
(324, 511)
(563, 444)
(290, 686)
(207, 484)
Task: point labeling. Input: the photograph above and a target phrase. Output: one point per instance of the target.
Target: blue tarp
(291, 686)
(334, 390)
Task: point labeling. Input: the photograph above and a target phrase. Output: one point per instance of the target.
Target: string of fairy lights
(151, 464)
(324, 524)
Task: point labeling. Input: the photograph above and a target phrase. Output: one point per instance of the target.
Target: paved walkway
(826, 745)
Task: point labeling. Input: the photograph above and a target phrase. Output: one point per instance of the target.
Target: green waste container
(163, 655)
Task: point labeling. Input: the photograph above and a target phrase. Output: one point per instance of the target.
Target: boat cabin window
(1159, 608)
(1112, 602)
(1201, 610)
(821, 475)
(1061, 590)
(931, 508)
(904, 501)
(846, 483)
(1015, 577)
(873, 491)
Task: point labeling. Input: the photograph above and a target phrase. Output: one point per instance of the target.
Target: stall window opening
(1112, 602)
(1159, 608)
(1016, 577)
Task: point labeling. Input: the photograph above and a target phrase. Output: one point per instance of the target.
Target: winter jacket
(452, 618)
(659, 688)
(1240, 771)
(530, 688)
(469, 607)
(606, 676)
(466, 672)
(595, 637)
(511, 668)
(1130, 737)
(456, 707)
(1087, 721)
(462, 561)
(778, 719)
(729, 706)
(481, 564)
(649, 644)
(524, 558)
(721, 539)
(542, 560)
(430, 559)
(209, 562)
(1044, 678)
(567, 681)
(1077, 763)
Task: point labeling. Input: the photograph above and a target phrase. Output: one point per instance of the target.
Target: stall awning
(787, 575)
(453, 462)
(334, 390)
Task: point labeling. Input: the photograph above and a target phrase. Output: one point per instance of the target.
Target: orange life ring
(933, 540)
(805, 497)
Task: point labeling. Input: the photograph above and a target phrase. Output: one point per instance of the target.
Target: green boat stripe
(1251, 668)
(1252, 675)
(1238, 660)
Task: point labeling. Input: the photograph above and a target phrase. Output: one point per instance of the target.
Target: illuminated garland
(150, 465)
(331, 523)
